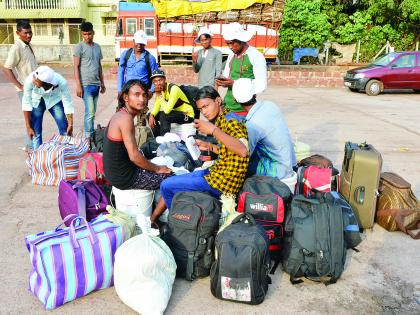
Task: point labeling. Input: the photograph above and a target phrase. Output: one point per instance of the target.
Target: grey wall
(52, 53)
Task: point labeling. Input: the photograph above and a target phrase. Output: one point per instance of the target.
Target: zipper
(64, 232)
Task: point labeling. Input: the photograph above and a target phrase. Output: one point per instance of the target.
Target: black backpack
(192, 226)
(240, 272)
(97, 139)
(146, 59)
(268, 200)
(190, 92)
(315, 238)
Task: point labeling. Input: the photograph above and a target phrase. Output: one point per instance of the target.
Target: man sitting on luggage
(228, 172)
(171, 105)
(270, 145)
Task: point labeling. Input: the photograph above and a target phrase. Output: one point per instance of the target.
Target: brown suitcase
(398, 208)
(359, 180)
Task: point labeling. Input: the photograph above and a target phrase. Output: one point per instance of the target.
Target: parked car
(396, 70)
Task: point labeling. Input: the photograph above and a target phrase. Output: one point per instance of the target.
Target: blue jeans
(90, 98)
(37, 115)
(194, 181)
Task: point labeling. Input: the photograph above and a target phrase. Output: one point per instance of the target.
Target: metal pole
(358, 51)
(326, 57)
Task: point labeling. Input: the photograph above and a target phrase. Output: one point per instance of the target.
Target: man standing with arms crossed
(87, 58)
(20, 62)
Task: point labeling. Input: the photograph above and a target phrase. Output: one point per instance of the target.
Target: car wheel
(353, 90)
(373, 87)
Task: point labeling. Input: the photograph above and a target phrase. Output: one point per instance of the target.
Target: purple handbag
(81, 197)
(72, 262)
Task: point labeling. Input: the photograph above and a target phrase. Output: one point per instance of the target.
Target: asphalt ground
(380, 279)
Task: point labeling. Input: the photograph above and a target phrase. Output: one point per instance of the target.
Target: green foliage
(304, 25)
(308, 23)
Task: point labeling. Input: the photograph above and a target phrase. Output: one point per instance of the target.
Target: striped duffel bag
(71, 262)
(56, 159)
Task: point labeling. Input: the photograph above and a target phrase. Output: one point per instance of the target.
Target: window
(406, 61)
(131, 26)
(149, 27)
(40, 28)
(110, 27)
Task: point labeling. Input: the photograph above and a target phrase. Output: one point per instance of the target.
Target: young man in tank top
(125, 167)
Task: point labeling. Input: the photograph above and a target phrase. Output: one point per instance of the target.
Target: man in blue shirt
(136, 63)
(44, 90)
(270, 145)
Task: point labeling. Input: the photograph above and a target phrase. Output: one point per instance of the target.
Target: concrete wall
(301, 76)
(52, 53)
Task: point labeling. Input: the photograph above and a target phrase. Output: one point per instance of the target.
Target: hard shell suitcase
(359, 180)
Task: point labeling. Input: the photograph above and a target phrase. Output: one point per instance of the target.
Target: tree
(304, 25)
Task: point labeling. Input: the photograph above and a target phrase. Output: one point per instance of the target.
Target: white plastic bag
(144, 271)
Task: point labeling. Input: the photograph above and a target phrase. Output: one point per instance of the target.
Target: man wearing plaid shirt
(228, 172)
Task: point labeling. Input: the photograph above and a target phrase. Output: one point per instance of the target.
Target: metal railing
(41, 4)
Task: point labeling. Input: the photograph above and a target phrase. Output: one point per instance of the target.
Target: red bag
(313, 178)
(91, 167)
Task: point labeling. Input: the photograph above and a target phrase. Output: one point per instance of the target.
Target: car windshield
(384, 60)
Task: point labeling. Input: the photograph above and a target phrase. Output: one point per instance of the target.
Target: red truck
(173, 39)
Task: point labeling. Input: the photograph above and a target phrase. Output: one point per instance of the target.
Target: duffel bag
(84, 198)
(72, 262)
(56, 159)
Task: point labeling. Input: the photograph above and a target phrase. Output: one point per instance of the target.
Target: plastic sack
(228, 211)
(144, 271)
(121, 219)
(170, 149)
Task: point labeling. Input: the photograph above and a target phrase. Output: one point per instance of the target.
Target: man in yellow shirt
(171, 105)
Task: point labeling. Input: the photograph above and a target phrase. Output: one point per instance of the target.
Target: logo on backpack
(182, 217)
(261, 207)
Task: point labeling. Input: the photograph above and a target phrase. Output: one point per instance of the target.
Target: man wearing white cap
(44, 90)
(207, 62)
(270, 145)
(244, 62)
(136, 63)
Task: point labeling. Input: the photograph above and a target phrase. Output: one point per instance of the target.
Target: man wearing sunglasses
(244, 62)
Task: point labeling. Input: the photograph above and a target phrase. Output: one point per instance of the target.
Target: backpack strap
(328, 224)
(149, 68)
(126, 57)
(189, 275)
(179, 102)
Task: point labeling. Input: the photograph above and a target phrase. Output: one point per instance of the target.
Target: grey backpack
(315, 246)
(240, 273)
(192, 227)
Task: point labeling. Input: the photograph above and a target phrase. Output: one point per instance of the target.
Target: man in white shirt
(44, 90)
(244, 62)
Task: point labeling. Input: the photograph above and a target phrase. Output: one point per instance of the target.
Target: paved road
(380, 278)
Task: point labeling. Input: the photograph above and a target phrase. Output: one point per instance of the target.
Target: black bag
(240, 272)
(97, 139)
(190, 92)
(267, 199)
(149, 148)
(192, 226)
(315, 245)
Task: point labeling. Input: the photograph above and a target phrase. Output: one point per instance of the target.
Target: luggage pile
(306, 231)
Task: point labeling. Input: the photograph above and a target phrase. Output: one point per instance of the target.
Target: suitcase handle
(359, 194)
